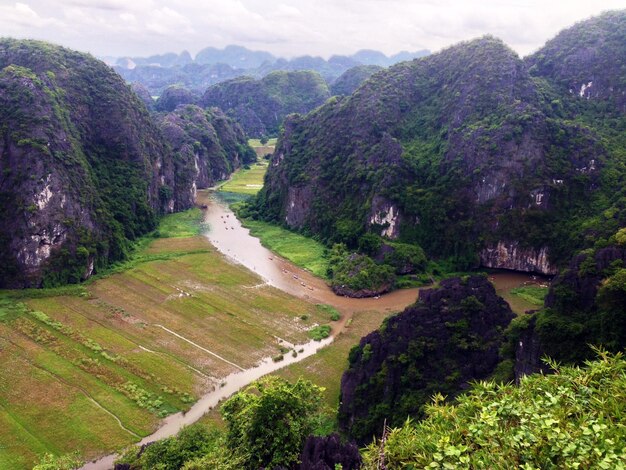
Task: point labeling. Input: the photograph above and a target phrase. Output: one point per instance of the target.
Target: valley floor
(95, 371)
(94, 368)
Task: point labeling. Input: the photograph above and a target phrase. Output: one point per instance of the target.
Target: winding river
(234, 241)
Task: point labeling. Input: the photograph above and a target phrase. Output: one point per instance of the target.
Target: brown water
(233, 240)
(227, 234)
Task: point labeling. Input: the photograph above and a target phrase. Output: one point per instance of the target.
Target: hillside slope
(462, 152)
(261, 105)
(84, 167)
(352, 78)
(450, 337)
(587, 60)
(207, 145)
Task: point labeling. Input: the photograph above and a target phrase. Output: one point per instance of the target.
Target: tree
(269, 421)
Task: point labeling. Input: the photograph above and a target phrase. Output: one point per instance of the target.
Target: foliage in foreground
(269, 421)
(64, 462)
(575, 418)
(267, 424)
(194, 447)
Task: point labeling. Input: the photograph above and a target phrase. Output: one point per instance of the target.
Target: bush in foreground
(269, 421)
(574, 418)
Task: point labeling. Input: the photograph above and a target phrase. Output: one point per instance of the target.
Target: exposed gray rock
(510, 255)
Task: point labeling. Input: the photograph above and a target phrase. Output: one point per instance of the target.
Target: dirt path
(200, 347)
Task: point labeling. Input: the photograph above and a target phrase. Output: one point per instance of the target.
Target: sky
(289, 28)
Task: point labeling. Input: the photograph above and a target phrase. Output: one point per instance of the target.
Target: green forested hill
(84, 169)
(261, 105)
(352, 78)
(470, 153)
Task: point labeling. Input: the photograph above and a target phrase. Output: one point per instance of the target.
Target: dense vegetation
(173, 96)
(358, 275)
(78, 152)
(266, 427)
(85, 170)
(570, 419)
(352, 78)
(464, 149)
(449, 337)
(261, 105)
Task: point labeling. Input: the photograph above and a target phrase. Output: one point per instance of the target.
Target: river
(234, 241)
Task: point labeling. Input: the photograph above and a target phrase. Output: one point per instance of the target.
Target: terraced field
(96, 370)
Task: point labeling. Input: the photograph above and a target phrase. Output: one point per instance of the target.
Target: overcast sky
(289, 27)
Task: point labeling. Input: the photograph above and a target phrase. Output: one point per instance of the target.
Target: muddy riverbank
(234, 241)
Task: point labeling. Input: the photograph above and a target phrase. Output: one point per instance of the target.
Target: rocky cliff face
(84, 169)
(326, 452)
(450, 337)
(586, 305)
(457, 152)
(261, 105)
(509, 255)
(82, 164)
(529, 353)
(207, 146)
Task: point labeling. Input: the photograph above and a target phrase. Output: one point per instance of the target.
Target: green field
(534, 295)
(300, 250)
(96, 367)
(327, 366)
(247, 181)
(256, 143)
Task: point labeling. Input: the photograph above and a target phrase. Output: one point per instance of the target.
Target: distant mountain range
(211, 66)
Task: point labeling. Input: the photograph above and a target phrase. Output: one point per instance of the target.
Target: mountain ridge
(85, 168)
(469, 123)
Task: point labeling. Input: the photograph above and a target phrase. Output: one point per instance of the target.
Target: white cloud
(167, 22)
(290, 27)
(21, 17)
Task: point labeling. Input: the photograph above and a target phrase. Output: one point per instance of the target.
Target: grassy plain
(300, 250)
(94, 367)
(247, 181)
(327, 366)
(534, 295)
(523, 298)
(267, 147)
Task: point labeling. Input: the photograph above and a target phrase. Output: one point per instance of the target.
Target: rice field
(95, 369)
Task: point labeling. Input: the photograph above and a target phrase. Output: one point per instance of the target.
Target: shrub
(570, 419)
(319, 332)
(269, 421)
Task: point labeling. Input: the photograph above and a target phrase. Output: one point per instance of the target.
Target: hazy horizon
(116, 28)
